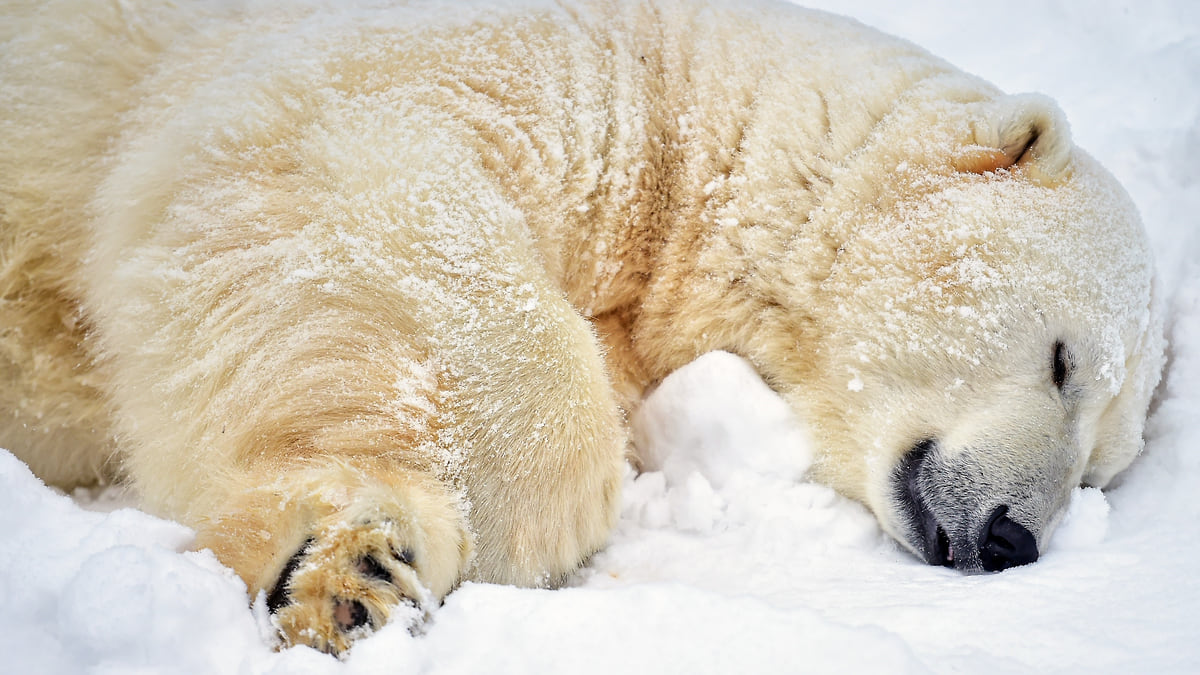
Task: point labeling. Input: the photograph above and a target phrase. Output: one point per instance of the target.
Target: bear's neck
(650, 251)
(676, 207)
(627, 250)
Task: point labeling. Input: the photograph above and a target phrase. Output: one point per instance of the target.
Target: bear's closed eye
(1060, 366)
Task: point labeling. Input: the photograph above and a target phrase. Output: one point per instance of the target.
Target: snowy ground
(723, 561)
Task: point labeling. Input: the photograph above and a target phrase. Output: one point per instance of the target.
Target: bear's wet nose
(1005, 543)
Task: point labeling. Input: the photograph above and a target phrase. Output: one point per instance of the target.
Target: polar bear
(363, 294)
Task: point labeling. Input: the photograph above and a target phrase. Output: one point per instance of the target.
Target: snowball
(715, 417)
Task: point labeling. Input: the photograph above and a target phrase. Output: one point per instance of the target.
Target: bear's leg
(52, 415)
(341, 547)
(546, 442)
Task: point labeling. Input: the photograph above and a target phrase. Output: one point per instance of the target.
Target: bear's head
(986, 336)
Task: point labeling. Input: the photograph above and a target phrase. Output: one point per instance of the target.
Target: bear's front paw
(345, 582)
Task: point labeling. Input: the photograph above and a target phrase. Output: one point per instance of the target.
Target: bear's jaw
(927, 538)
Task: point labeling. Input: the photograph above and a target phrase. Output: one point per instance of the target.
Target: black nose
(1005, 543)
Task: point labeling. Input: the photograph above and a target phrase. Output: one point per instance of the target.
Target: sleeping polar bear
(361, 294)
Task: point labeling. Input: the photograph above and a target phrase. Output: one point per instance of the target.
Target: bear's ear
(1027, 131)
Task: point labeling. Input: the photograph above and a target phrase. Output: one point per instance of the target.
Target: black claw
(405, 555)
(369, 566)
(278, 597)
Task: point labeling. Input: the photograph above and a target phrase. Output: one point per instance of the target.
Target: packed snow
(725, 559)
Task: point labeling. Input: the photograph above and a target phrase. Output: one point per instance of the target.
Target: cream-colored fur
(360, 289)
